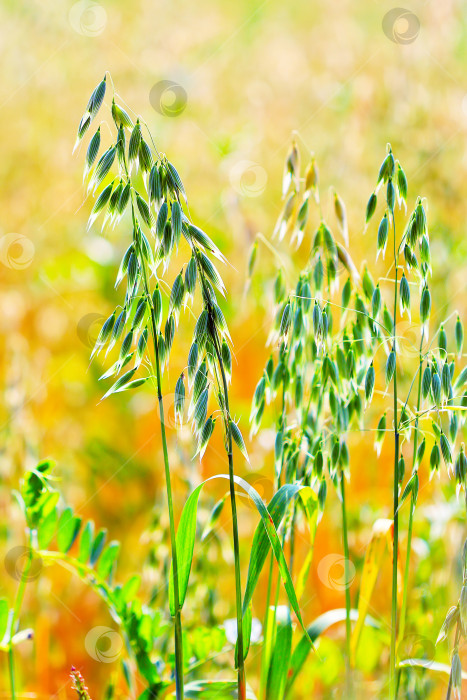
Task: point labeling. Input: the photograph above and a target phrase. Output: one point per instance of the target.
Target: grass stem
(348, 629)
(265, 655)
(173, 542)
(11, 669)
(392, 670)
(403, 612)
(178, 620)
(236, 544)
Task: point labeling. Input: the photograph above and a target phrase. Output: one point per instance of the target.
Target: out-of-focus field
(250, 73)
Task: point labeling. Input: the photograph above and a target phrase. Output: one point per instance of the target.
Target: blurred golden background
(223, 86)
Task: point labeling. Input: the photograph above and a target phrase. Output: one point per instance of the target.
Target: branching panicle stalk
(178, 634)
(233, 504)
(178, 618)
(403, 612)
(392, 671)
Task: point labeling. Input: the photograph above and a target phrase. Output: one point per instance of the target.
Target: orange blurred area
(248, 76)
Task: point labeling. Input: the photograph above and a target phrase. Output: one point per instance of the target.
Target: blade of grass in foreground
(215, 690)
(317, 627)
(280, 658)
(186, 541)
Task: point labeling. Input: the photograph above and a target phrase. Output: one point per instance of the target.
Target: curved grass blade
(381, 539)
(4, 610)
(317, 627)
(261, 545)
(247, 622)
(309, 500)
(280, 658)
(428, 664)
(186, 542)
(215, 690)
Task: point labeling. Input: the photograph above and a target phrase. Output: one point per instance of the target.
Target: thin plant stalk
(450, 684)
(14, 619)
(412, 502)
(233, 502)
(264, 667)
(392, 670)
(178, 617)
(345, 540)
(264, 660)
(292, 538)
(11, 670)
(236, 545)
(348, 629)
(173, 542)
(278, 485)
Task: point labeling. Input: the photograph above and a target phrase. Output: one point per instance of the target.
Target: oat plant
(434, 395)
(148, 185)
(315, 375)
(325, 371)
(337, 364)
(133, 177)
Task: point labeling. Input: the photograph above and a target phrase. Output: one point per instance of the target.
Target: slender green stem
(265, 659)
(11, 668)
(168, 482)
(173, 542)
(412, 503)
(15, 616)
(278, 588)
(392, 670)
(20, 594)
(348, 629)
(233, 503)
(281, 426)
(456, 643)
(406, 569)
(278, 580)
(265, 650)
(236, 545)
(448, 694)
(292, 538)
